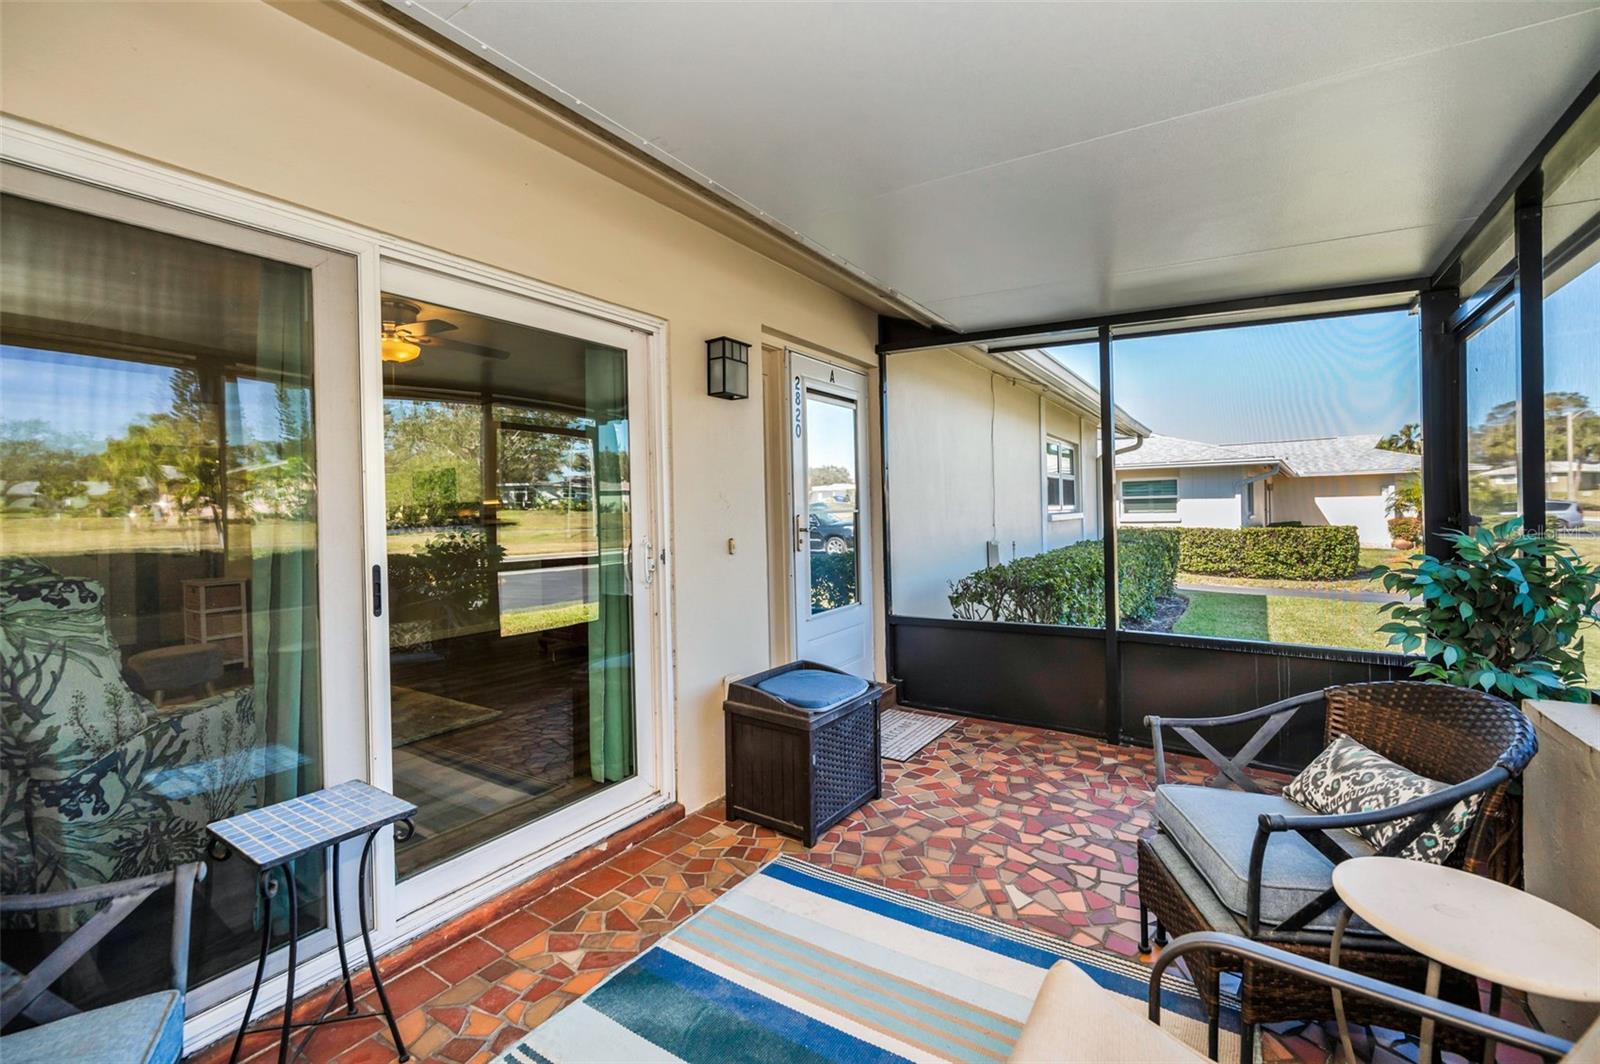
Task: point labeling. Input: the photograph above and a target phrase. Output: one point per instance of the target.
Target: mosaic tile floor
(1018, 823)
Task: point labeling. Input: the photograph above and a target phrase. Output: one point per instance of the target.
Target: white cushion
(1077, 1021)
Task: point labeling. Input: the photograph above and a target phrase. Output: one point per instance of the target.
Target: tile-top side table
(1472, 924)
(270, 839)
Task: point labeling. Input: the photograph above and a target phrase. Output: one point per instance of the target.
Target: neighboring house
(1334, 480)
(1563, 476)
(1008, 467)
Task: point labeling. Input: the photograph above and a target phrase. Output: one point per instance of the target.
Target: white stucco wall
(1359, 500)
(966, 465)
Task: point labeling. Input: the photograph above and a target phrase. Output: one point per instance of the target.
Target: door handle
(801, 532)
(377, 591)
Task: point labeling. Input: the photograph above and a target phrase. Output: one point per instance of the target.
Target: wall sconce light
(727, 368)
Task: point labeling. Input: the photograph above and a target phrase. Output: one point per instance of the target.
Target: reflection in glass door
(160, 615)
(506, 478)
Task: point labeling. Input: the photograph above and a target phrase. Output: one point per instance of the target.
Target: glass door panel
(1494, 486)
(506, 451)
(833, 510)
(159, 607)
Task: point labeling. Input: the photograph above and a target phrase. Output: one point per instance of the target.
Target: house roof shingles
(1329, 456)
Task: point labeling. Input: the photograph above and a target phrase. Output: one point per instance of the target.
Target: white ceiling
(1008, 163)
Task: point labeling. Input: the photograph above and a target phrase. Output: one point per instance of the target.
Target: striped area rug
(797, 963)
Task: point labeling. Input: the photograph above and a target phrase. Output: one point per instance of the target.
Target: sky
(91, 400)
(1336, 376)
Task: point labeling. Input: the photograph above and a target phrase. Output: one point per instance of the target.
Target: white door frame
(467, 871)
(49, 151)
(809, 373)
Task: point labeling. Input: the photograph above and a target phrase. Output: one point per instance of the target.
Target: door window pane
(1493, 479)
(510, 620)
(833, 506)
(1572, 420)
(158, 578)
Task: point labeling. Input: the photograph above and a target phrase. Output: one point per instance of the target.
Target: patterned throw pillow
(1349, 778)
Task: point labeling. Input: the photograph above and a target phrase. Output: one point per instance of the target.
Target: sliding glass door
(165, 569)
(513, 621)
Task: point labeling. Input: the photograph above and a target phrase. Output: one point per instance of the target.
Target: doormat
(799, 963)
(906, 733)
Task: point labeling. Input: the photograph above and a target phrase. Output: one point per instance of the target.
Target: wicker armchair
(1252, 863)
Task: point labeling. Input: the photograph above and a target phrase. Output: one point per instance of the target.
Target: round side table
(1472, 924)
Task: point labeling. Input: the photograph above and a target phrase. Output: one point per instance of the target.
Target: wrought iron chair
(147, 1029)
(1256, 864)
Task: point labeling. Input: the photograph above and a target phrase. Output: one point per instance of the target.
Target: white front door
(829, 490)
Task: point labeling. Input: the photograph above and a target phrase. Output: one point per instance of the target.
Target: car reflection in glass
(832, 533)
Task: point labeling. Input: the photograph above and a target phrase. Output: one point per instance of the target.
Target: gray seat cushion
(145, 1030)
(1215, 829)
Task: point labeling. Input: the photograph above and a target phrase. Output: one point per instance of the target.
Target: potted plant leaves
(1508, 613)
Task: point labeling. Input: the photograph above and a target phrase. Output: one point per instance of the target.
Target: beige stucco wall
(341, 119)
(1357, 500)
(966, 466)
(1069, 425)
(1561, 833)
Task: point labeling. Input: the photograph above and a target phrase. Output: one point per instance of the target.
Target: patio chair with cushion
(1260, 865)
(1075, 1020)
(144, 1030)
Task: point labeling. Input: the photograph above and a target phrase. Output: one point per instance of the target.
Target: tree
(1494, 439)
(1407, 440)
(58, 487)
(829, 474)
(1407, 498)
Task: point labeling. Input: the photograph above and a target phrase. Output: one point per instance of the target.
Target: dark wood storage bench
(796, 768)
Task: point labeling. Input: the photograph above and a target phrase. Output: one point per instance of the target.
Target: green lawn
(1317, 622)
(543, 618)
(1281, 619)
(523, 533)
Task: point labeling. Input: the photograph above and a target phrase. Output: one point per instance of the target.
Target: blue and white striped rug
(797, 963)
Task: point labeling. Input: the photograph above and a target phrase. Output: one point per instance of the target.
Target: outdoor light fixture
(727, 368)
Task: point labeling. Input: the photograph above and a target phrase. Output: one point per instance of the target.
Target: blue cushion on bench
(813, 688)
(145, 1030)
(1215, 829)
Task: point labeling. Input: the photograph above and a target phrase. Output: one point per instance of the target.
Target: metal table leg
(1338, 998)
(266, 889)
(1425, 1041)
(1489, 1044)
(362, 883)
(338, 931)
(294, 940)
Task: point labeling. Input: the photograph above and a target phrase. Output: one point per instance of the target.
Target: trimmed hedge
(1067, 585)
(1322, 552)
